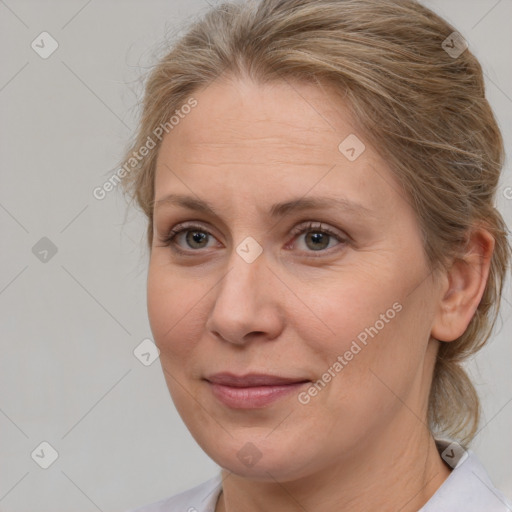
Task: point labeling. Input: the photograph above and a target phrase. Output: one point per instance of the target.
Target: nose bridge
(246, 260)
(241, 284)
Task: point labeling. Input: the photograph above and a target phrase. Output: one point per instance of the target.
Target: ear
(462, 287)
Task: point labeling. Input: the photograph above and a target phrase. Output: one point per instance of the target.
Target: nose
(247, 304)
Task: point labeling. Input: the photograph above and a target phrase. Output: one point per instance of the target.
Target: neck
(388, 476)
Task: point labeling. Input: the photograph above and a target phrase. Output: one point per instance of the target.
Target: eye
(188, 237)
(316, 238)
(313, 237)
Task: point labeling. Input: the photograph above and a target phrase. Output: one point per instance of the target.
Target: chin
(258, 458)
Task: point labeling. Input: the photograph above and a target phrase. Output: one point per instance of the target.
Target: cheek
(373, 323)
(383, 362)
(172, 305)
(346, 306)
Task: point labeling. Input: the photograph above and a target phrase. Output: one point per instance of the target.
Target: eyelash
(169, 240)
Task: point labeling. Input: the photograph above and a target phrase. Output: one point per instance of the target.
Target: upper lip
(251, 380)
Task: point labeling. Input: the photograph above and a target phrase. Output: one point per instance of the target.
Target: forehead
(280, 137)
(278, 114)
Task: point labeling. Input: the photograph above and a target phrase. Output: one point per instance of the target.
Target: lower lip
(253, 397)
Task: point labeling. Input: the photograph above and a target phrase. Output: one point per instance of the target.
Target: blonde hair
(423, 109)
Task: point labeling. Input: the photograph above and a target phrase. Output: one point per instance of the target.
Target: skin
(362, 442)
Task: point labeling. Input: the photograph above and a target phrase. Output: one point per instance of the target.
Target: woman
(319, 181)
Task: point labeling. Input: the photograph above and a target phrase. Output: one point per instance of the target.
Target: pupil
(317, 239)
(197, 237)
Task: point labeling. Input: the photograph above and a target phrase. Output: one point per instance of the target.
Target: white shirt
(467, 489)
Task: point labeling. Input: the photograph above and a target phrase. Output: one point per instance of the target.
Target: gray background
(69, 325)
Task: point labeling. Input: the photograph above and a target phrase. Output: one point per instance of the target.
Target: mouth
(252, 391)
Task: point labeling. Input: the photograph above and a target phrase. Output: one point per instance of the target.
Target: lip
(252, 391)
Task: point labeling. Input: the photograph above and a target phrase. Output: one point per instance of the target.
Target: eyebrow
(277, 210)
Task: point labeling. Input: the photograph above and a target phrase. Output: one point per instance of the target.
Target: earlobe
(463, 286)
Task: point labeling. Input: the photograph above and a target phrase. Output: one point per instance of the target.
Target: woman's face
(298, 259)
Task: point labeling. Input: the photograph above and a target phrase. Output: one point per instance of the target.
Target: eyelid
(169, 239)
(189, 225)
(319, 226)
(340, 236)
